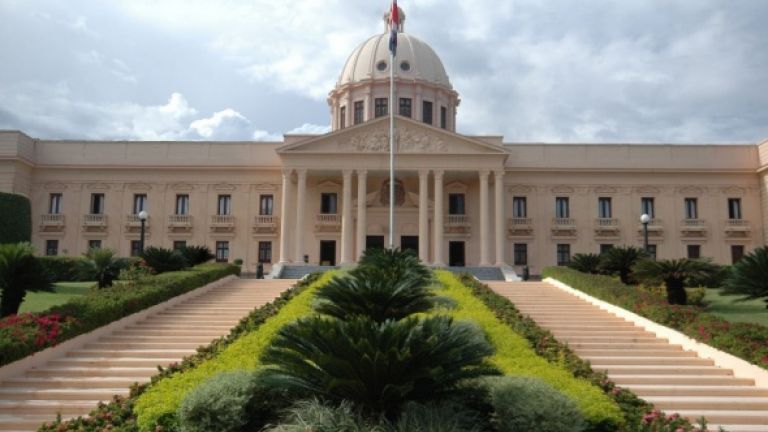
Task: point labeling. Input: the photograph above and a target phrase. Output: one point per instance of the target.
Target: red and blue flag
(394, 23)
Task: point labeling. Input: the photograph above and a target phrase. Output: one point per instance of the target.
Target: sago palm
(101, 265)
(620, 260)
(673, 274)
(396, 264)
(20, 272)
(749, 277)
(585, 263)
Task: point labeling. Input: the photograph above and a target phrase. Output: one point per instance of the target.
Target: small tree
(20, 271)
(673, 273)
(197, 254)
(100, 264)
(620, 260)
(164, 260)
(586, 263)
(749, 277)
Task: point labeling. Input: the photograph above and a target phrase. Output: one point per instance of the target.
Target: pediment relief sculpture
(407, 140)
(328, 184)
(456, 187)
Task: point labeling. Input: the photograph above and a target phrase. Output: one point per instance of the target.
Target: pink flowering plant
(31, 331)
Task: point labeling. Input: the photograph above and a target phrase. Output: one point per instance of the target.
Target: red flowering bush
(33, 331)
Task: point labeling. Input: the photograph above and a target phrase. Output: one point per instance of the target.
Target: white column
(484, 220)
(362, 216)
(284, 211)
(423, 216)
(438, 221)
(301, 208)
(346, 219)
(501, 238)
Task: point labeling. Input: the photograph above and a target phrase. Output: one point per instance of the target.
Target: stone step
(729, 417)
(203, 340)
(22, 422)
(674, 403)
(632, 352)
(73, 382)
(628, 332)
(627, 380)
(149, 332)
(737, 428)
(661, 370)
(653, 344)
(588, 326)
(99, 362)
(180, 326)
(208, 321)
(133, 353)
(610, 339)
(642, 361)
(111, 346)
(70, 371)
(697, 390)
(44, 406)
(73, 393)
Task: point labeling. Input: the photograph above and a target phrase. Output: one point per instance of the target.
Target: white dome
(415, 60)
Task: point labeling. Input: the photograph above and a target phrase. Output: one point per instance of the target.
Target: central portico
(443, 204)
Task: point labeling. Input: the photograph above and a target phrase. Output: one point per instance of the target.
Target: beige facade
(455, 193)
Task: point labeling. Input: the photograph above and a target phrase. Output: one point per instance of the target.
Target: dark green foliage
(443, 416)
(530, 404)
(20, 272)
(620, 260)
(377, 365)
(373, 292)
(164, 260)
(195, 255)
(749, 277)
(15, 218)
(673, 273)
(397, 264)
(714, 280)
(100, 265)
(585, 263)
(220, 404)
(64, 269)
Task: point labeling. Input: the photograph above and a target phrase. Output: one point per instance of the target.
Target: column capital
(301, 172)
(287, 172)
(362, 172)
(499, 173)
(423, 172)
(438, 173)
(484, 174)
(347, 173)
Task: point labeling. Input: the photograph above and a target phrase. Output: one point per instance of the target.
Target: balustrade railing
(52, 220)
(95, 220)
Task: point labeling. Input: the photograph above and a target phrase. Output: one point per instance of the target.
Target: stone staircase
(481, 273)
(75, 382)
(298, 272)
(664, 374)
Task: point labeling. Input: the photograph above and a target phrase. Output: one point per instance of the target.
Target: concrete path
(672, 379)
(74, 383)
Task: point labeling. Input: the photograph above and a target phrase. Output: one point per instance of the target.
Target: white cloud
(310, 129)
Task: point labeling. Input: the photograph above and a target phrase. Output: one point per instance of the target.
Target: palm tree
(749, 277)
(100, 264)
(620, 260)
(20, 272)
(585, 263)
(673, 273)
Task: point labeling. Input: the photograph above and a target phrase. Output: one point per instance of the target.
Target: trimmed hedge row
(120, 413)
(158, 405)
(63, 269)
(744, 340)
(86, 313)
(15, 218)
(515, 356)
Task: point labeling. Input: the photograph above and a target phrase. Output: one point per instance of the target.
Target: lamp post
(143, 215)
(645, 219)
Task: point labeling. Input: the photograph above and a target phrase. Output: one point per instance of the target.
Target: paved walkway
(672, 379)
(74, 383)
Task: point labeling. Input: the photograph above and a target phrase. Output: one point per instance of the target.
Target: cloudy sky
(533, 70)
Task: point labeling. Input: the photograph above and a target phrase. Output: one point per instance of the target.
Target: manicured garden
(60, 294)
(731, 308)
(387, 346)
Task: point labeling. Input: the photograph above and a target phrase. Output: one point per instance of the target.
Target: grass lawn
(752, 311)
(62, 291)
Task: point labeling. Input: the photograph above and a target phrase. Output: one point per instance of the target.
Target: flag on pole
(394, 24)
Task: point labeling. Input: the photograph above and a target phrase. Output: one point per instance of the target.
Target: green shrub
(397, 263)
(101, 265)
(620, 260)
(530, 404)
(442, 416)
(314, 416)
(673, 274)
(585, 263)
(220, 404)
(63, 269)
(15, 218)
(195, 255)
(749, 277)
(20, 271)
(164, 260)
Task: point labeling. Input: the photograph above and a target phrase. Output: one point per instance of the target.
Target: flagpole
(392, 141)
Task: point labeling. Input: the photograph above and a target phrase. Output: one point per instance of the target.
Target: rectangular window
(139, 203)
(51, 247)
(54, 203)
(266, 205)
(182, 204)
(225, 205)
(135, 248)
(329, 203)
(405, 107)
(265, 252)
(97, 203)
(521, 254)
(359, 112)
(562, 208)
(426, 112)
(563, 254)
(381, 107)
(222, 251)
(343, 117)
(605, 248)
(443, 117)
(604, 210)
(456, 204)
(737, 253)
(647, 207)
(691, 208)
(734, 208)
(94, 244)
(652, 251)
(694, 251)
(519, 207)
(179, 244)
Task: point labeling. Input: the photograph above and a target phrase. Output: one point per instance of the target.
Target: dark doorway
(456, 254)
(374, 242)
(410, 243)
(328, 252)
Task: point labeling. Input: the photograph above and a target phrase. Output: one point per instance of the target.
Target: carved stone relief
(408, 140)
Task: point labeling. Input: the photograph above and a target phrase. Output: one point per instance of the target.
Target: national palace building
(323, 199)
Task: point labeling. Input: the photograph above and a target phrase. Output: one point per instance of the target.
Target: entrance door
(374, 242)
(456, 254)
(410, 243)
(328, 252)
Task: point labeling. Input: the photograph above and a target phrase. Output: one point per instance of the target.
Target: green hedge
(744, 340)
(15, 218)
(63, 269)
(86, 313)
(515, 356)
